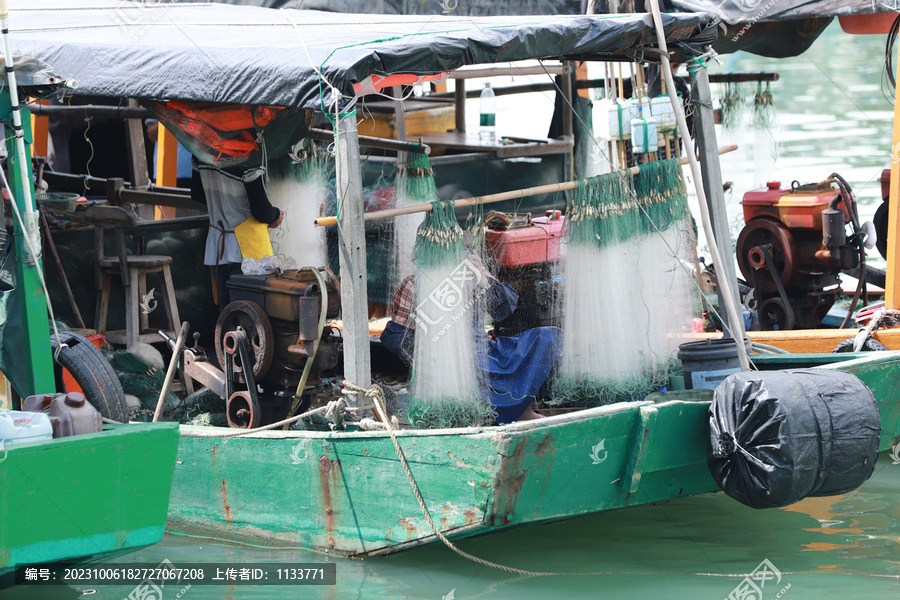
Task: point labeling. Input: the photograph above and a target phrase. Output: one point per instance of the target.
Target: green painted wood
(86, 495)
(33, 316)
(346, 492)
(771, 362)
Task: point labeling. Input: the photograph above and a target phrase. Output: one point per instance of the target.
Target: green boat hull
(86, 496)
(346, 492)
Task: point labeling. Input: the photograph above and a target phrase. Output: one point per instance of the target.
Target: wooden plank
(352, 254)
(712, 183)
(166, 158)
(813, 340)
(892, 283)
(40, 134)
(137, 154)
(459, 96)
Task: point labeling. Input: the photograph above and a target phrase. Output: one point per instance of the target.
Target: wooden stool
(137, 305)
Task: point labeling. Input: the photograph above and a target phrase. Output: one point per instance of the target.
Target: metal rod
(90, 110)
(490, 198)
(62, 272)
(735, 321)
(323, 135)
(589, 84)
(501, 71)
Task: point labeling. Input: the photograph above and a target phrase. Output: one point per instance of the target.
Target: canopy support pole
(352, 252)
(731, 308)
(712, 184)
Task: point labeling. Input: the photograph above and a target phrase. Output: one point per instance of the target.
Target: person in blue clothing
(514, 367)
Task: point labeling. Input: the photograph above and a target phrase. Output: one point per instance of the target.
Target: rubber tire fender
(93, 373)
(871, 345)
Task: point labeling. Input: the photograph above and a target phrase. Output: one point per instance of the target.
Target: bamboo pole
(30, 218)
(735, 321)
(491, 198)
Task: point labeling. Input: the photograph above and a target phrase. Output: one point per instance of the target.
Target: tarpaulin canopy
(745, 11)
(432, 7)
(295, 58)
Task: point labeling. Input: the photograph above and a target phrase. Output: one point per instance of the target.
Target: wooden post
(459, 96)
(400, 121)
(712, 183)
(166, 158)
(892, 281)
(137, 154)
(352, 253)
(40, 133)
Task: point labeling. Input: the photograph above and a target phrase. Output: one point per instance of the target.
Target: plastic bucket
(69, 383)
(706, 363)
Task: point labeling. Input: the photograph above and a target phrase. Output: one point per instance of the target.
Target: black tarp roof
(745, 11)
(226, 53)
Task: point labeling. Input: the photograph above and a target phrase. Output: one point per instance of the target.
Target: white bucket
(661, 109)
(21, 427)
(643, 135)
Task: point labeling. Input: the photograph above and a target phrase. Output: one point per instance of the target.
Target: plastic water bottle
(487, 132)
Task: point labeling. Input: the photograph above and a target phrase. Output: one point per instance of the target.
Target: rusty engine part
(278, 316)
(241, 407)
(793, 247)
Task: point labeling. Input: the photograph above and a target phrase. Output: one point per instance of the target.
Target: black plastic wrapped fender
(777, 437)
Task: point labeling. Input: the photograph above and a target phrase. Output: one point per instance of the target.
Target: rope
(376, 395)
(767, 349)
(874, 322)
(332, 410)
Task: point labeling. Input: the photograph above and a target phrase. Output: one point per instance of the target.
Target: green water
(832, 117)
(692, 548)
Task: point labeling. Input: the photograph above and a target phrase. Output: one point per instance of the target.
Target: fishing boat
(85, 497)
(92, 490)
(359, 492)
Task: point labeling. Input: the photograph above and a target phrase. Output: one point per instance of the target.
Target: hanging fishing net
(415, 185)
(298, 184)
(231, 135)
(627, 297)
(444, 389)
(764, 113)
(732, 104)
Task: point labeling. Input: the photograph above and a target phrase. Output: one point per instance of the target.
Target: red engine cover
(797, 210)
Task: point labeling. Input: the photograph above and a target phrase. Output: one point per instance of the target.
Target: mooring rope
(376, 395)
(332, 410)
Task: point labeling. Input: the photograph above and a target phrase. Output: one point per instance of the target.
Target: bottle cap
(75, 399)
